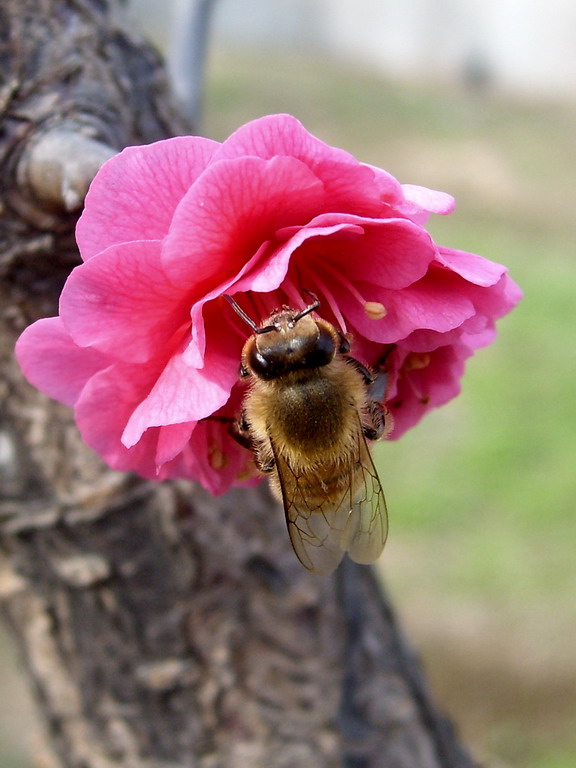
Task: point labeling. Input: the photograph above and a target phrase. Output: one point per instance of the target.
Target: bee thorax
(312, 414)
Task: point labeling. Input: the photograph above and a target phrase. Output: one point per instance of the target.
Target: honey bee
(307, 414)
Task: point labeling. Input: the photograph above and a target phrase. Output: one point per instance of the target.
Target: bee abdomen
(322, 486)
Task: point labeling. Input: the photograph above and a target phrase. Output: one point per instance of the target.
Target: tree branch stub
(60, 166)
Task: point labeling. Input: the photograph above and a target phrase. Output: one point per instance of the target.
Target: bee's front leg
(376, 424)
(264, 460)
(241, 432)
(365, 372)
(375, 417)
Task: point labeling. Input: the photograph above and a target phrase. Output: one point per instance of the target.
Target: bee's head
(289, 340)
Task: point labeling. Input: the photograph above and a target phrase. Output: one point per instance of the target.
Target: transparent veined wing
(333, 508)
(367, 528)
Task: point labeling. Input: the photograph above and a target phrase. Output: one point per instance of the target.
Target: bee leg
(241, 432)
(264, 463)
(365, 372)
(263, 457)
(379, 384)
(377, 424)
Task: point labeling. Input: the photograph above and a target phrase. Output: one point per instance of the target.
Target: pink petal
(390, 190)
(233, 208)
(496, 300)
(101, 413)
(204, 452)
(428, 341)
(392, 253)
(431, 304)
(120, 302)
(213, 457)
(475, 269)
(264, 273)
(479, 340)
(172, 439)
(349, 185)
(270, 274)
(183, 393)
(420, 389)
(281, 134)
(217, 461)
(134, 195)
(53, 363)
(429, 200)
(194, 354)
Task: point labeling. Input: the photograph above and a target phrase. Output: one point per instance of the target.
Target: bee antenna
(239, 311)
(310, 308)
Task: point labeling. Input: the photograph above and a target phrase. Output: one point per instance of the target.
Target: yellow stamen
(375, 310)
(216, 458)
(416, 360)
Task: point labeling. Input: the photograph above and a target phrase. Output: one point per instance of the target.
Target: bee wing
(315, 528)
(323, 528)
(367, 527)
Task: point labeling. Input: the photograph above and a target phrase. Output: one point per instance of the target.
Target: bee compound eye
(263, 366)
(324, 349)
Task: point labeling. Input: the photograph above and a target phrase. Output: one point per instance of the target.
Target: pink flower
(145, 348)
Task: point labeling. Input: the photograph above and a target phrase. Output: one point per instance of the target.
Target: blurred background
(476, 98)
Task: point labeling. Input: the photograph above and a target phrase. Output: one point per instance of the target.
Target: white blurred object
(181, 30)
(522, 45)
(187, 50)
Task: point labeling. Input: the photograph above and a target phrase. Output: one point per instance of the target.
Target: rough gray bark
(160, 627)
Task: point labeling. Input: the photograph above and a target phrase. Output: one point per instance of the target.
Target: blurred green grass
(482, 493)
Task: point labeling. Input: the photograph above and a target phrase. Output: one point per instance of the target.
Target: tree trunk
(160, 627)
